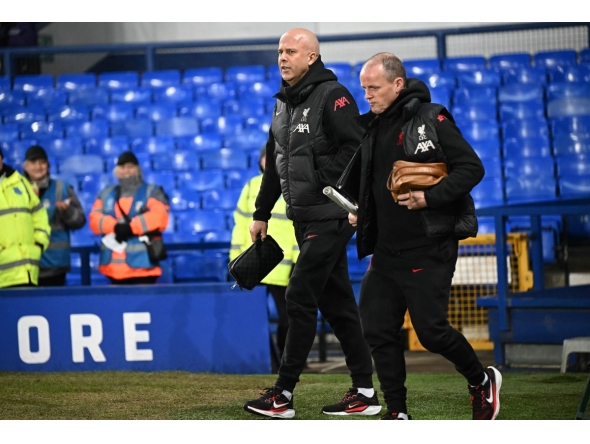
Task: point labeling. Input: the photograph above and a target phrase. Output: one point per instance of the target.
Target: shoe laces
(478, 397)
(349, 395)
(269, 394)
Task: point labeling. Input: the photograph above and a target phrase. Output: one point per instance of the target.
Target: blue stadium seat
(153, 145)
(200, 109)
(516, 167)
(224, 159)
(569, 106)
(184, 200)
(14, 150)
(32, 82)
(475, 94)
(421, 67)
(107, 147)
(202, 76)
(201, 221)
(247, 140)
(503, 62)
(165, 179)
(11, 98)
(521, 110)
(47, 98)
(155, 79)
(115, 112)
(23, 114)
(483, 77)
(217, 91)
(585, 56)
(258, 123)
(566, 145)
(466, 63)
(71, 180)
(82, 164)
(474, 111)
(534, 188)
(263, 90)
(68, 113)
(342, 70)
(566, 126)
(522, 129)
(487, 148)
(550, 59)
(573, 165)
(173, 94)
(63, 148)
(441, 95)
(551, 228)
(201, 180)
(71, 82)
(96, 129)
(488, 193)
(574, 187)
(136, 96)
(572, 73)
(202, 142)
(119, 80)
(562, 90)
(178, 127)
(480, 130)
(224, 125)
(41, 130)
(237, 178)
(177, 161)
(529, 147)
(94, 183)
(273, 74)
(9, 132)
(535, 75)
(5, 84)
(444, 78)
(517, 92)
(220, 199)
(245, 74)
(493, 167)
(89, 96)
(156, 112)
(132, 128)
(201, 267)
(254, 106)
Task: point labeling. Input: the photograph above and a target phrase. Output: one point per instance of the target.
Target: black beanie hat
(35, 152)
(127, 157)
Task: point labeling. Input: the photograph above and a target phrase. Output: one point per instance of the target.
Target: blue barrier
(187, 327)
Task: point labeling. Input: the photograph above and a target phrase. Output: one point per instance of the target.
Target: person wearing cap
(24, 229)
(64, 211)
(282, 231)
(128, 211)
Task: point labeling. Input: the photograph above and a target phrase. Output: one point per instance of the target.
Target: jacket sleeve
(270, 189)
(100, 223)
(73, 217)
(42, 229)
(156, 216)
(342, 127)
(466, 169)
(240, 236)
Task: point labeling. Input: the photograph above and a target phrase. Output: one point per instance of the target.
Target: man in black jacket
(414, 241)
(312, 138)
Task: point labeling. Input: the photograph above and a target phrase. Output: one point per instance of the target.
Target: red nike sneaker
(354, 403)
(485, 399)
(271, 403)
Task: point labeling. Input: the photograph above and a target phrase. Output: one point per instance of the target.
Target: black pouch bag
(155, 246)
(255, 263)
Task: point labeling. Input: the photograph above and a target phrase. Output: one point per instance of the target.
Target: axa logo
(304, 118)
(424, 146)
(341, 103)
(301, 128)
(422, 132)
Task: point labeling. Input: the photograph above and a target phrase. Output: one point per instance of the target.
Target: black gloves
(123, 232)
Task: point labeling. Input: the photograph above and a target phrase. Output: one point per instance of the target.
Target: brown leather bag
(414, 176)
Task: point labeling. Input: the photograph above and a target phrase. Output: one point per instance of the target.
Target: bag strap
(121, 209)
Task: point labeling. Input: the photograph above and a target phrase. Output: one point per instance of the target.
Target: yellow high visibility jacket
(279, 227)
(24, 230)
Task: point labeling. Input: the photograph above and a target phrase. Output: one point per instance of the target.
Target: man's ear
(312, 58)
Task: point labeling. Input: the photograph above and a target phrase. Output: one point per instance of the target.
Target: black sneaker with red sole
(485, 399)
(272, 402)
(354, 403)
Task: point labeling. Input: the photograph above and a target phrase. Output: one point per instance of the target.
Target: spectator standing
(64, 211)
(414, 240)
(146, 207)
(312, 138)
(282, 230)
(24, 229)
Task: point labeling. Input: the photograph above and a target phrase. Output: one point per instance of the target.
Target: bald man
(312, 138)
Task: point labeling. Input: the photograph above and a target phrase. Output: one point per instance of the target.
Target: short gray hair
(392, 66)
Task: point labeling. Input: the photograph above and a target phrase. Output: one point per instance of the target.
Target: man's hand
(258, 228)
(414, 200)
(352, 219)
(62, 205)
(122, 232)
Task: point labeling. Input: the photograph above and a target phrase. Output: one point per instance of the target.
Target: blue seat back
(82, 164)
(64, 148)
(503, 62)
(421, 67)
(114, 112)
(522, 129)
(108, 146)
(518, 92)
(184, 200)
(565, 145)
(220, 199)
(153, 145)
(484, 77)
(467, 63)
(550, 59)
(488, 193)
(201, 180)
(89, 96)
(245, 74)
(134, 95)
(33, 82)
(178, 127)
(517, 167)
(535, 75)
(156, 112)
(568, 106)
(155, 79)
(529, 147)
(132, 128)
(202, 76)
(224, 158)
(521, 110)
(119, 80)
(75, 81)
(201, 142)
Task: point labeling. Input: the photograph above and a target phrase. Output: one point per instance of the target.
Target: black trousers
(418, 280)
(135, 281)
(278, 295)
(53, 281)
(320, 281)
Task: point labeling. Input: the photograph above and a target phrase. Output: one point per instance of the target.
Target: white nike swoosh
(277, 113)
(491, 398)
(278, 406)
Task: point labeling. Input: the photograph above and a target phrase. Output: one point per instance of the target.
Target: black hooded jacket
(313, 135)
(393, 227)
